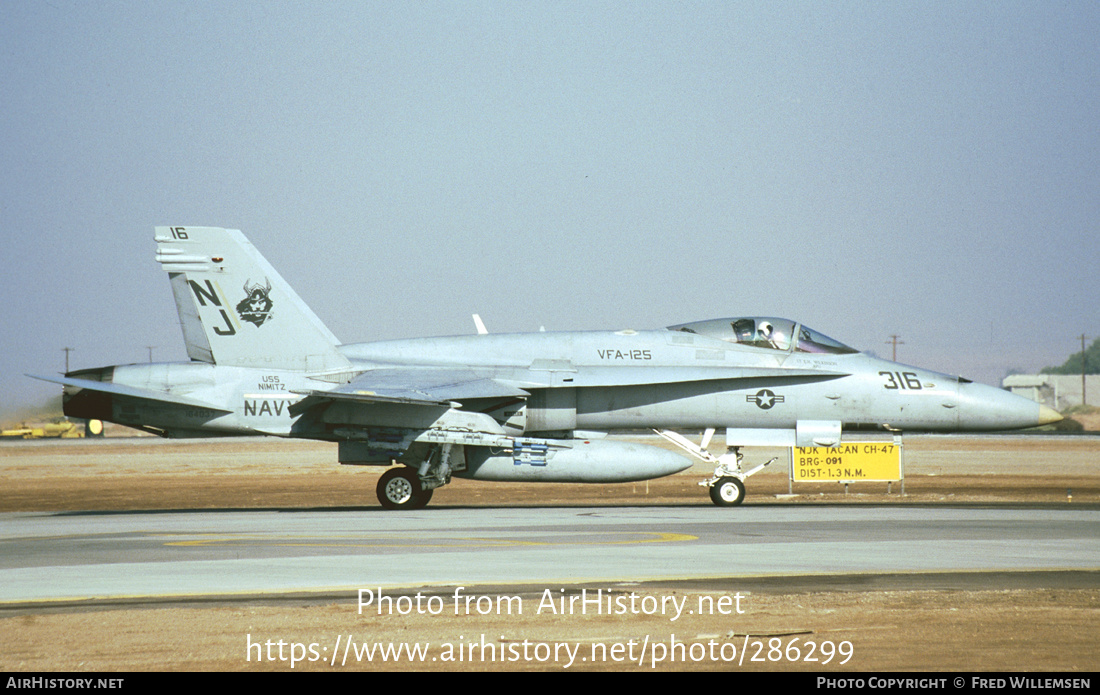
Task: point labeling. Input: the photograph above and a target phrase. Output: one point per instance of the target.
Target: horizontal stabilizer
(129, 391)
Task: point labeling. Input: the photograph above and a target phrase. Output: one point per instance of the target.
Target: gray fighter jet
(527, 407)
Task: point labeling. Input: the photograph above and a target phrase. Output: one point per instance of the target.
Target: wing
(420, 403)
(421, 386)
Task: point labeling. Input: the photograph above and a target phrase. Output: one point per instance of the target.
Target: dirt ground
(1013, 622)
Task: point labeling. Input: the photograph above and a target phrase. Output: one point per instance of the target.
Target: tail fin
(236, 310)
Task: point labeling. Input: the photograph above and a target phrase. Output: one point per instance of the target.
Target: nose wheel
(727, 492)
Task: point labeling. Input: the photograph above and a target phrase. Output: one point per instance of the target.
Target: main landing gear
(411, 488)
(399, 488)
(727, 483)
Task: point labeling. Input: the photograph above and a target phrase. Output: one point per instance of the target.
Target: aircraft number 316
(901, 380)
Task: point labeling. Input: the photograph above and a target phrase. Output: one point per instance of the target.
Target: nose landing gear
(727, 483)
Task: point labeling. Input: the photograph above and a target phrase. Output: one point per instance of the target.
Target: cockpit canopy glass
(770, 333)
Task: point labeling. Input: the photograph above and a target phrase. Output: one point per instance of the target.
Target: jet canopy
(770, 333)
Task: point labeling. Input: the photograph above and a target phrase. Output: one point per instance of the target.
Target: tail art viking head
(256, 306)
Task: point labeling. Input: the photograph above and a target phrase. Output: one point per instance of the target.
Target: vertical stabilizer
(234, 307)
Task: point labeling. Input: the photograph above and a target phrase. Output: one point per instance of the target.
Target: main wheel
(399, 488)
(727, 492)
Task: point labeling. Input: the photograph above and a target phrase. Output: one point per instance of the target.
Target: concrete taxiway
(46, 557)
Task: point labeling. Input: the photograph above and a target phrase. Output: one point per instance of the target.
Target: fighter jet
(528, 407)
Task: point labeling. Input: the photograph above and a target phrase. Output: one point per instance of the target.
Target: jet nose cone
(988, 408)
(1048, 416)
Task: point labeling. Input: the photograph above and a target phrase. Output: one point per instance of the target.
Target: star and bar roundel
(764, 399)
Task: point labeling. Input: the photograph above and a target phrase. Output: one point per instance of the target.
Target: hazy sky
(924, 169)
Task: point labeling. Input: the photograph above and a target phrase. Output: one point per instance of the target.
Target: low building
(1059, 391)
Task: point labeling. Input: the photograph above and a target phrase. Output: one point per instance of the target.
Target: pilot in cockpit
(764, 335)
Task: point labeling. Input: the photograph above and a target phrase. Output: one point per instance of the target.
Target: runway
(77, 556)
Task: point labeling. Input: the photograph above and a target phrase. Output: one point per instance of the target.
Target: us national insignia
(765, 399)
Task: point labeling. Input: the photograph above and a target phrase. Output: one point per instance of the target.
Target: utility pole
(150, 347)
(67, 351)
(894, 340)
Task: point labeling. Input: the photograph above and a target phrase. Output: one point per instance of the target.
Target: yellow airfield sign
(851, 461)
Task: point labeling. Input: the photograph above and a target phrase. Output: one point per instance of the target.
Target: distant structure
(1059, 391)
(63, 429)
